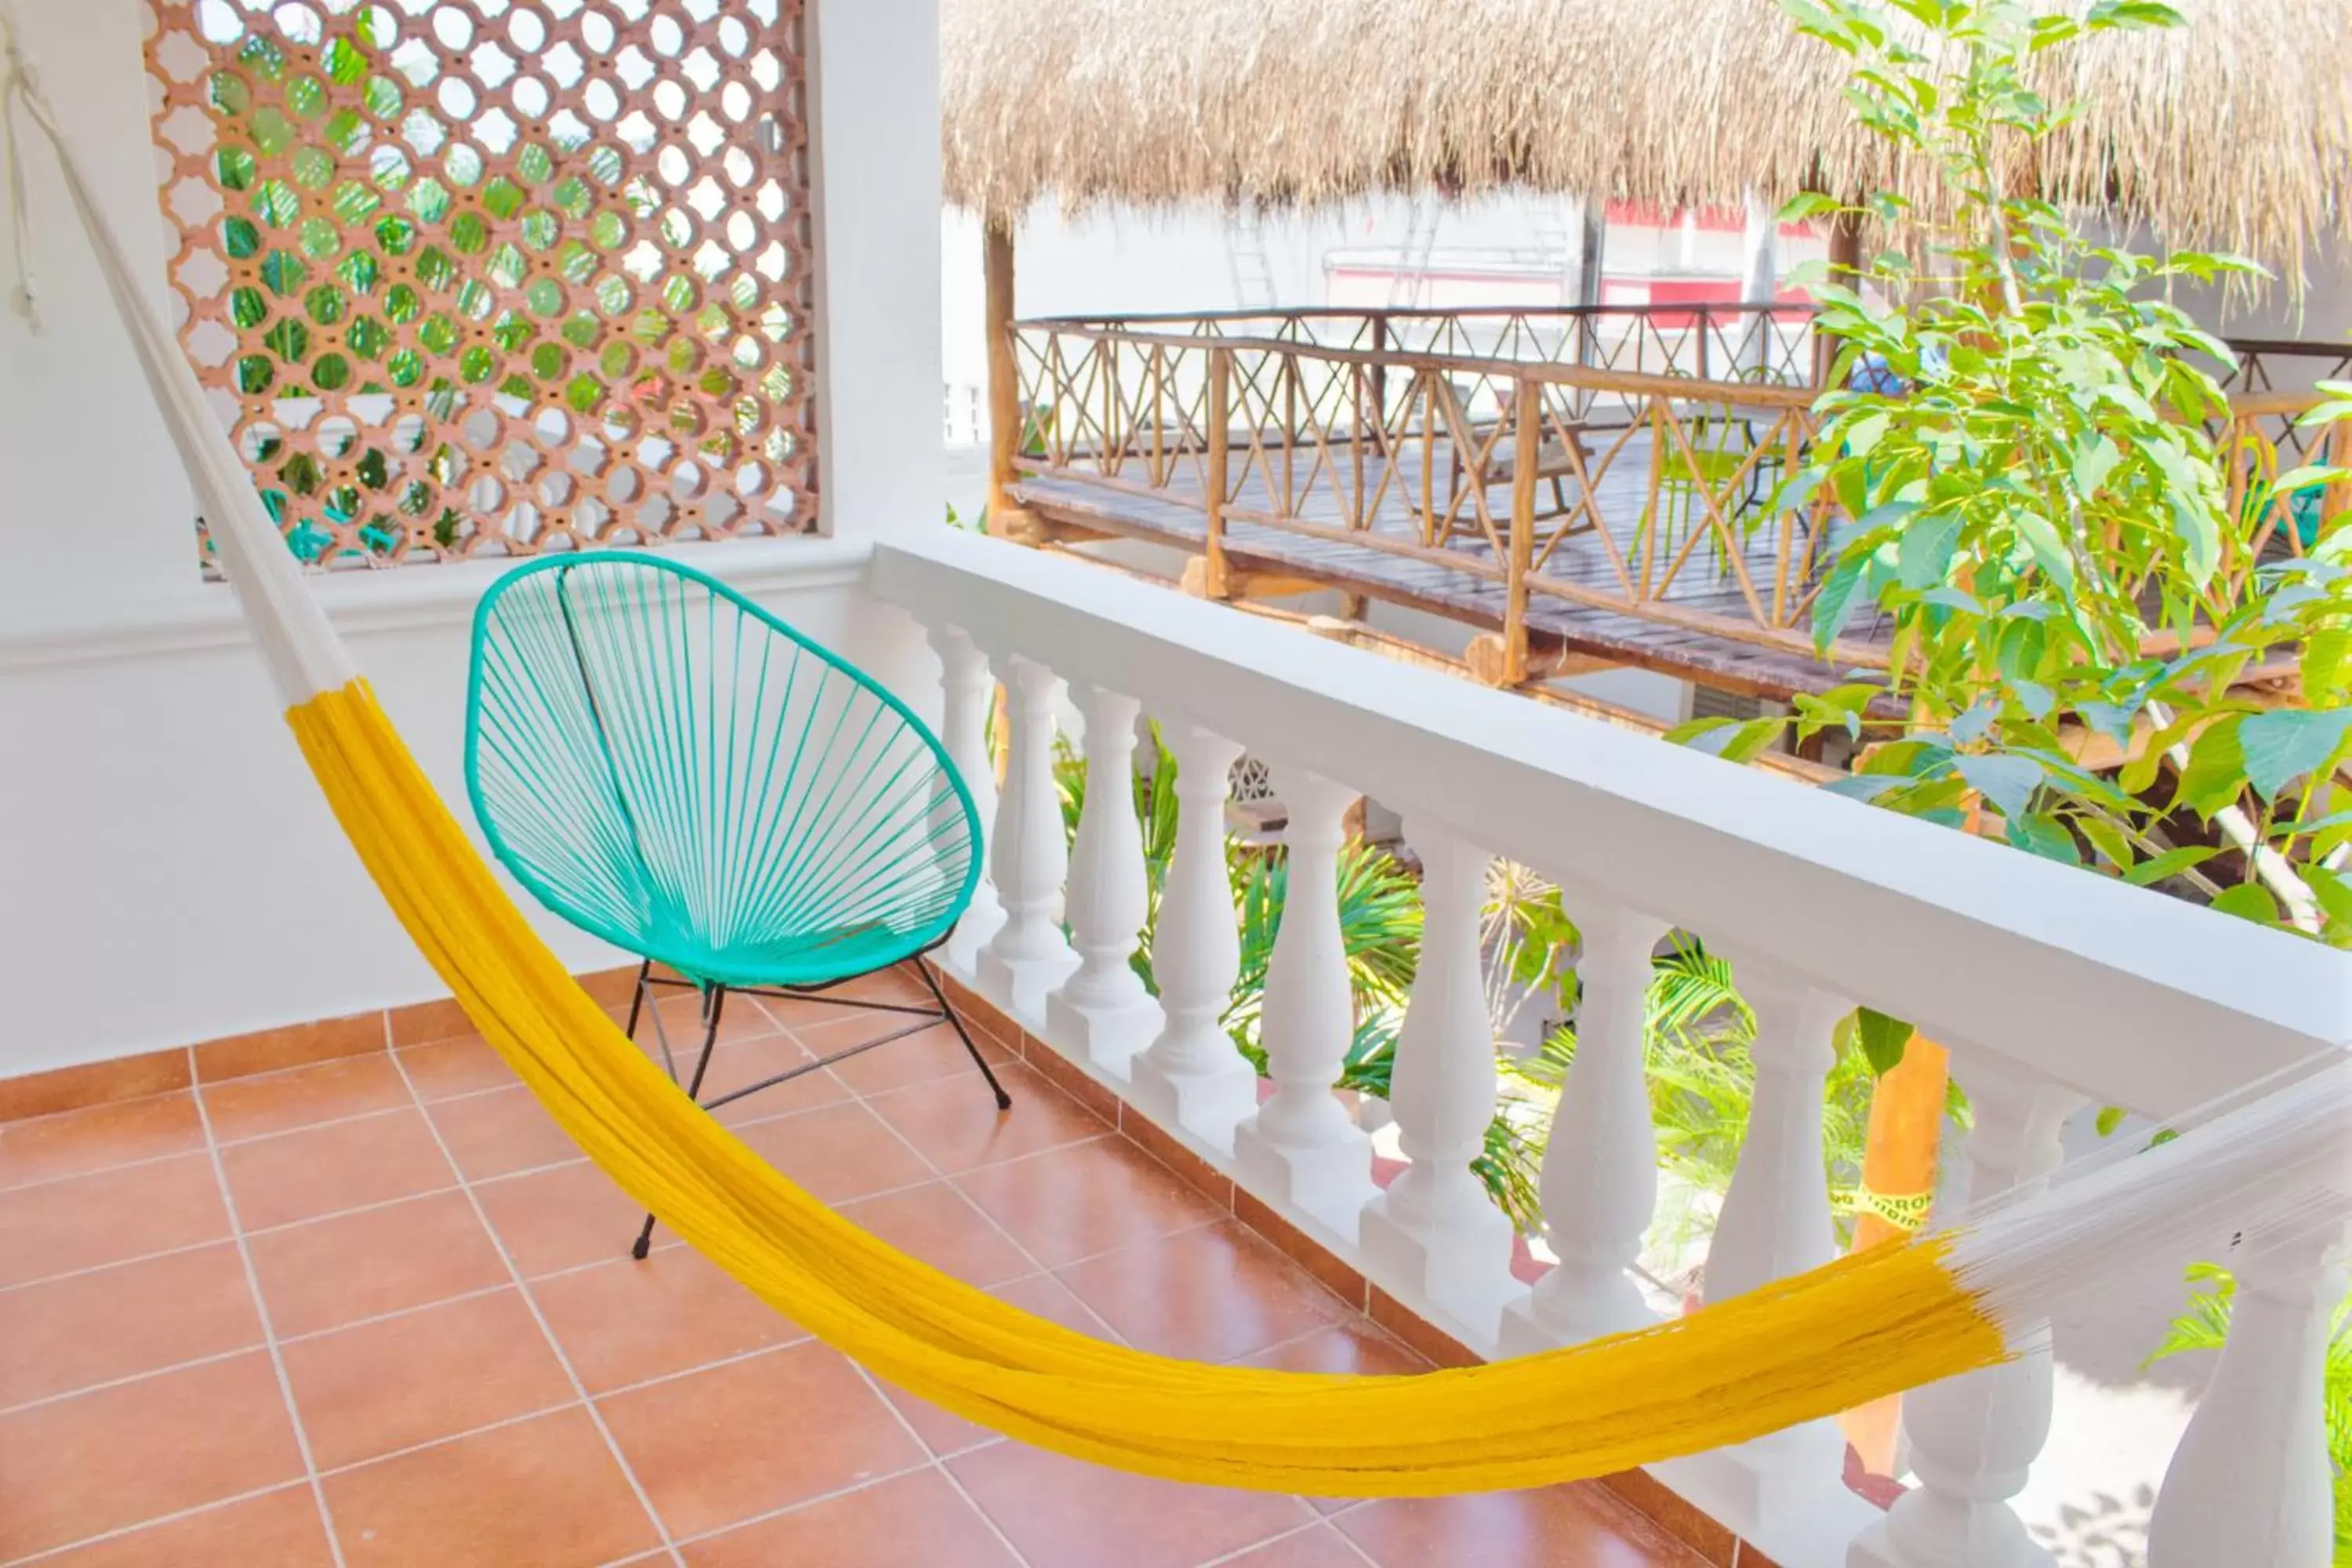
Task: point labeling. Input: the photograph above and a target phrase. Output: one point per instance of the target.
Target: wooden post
(1214, 585)
(1005, 418)
(1525, 457)
(1845, 271)
(1898, 1174)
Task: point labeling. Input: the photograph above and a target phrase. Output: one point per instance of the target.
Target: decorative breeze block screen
(492, 276)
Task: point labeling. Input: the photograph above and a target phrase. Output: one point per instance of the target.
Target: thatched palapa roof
(2234, 132)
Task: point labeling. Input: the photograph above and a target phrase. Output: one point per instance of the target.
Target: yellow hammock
(1890, 1319)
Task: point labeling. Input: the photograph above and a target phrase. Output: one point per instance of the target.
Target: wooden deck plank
(1174, 515)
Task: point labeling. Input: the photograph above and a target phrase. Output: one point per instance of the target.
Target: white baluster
(1029, 956)
(1192, 1076)
(1103, 1008)
(1434, 1232)
(1303, 1144)
(1599, 1178)
(1973, 1439)
(1776, 1222)
(2249, 1482)
(965, 677)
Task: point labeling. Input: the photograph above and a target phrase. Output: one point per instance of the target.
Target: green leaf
(2249, 901)
(1926, 552)
(2171, 863)
(1882, 1039)
(1806, 205)
(2008, 781)
(2216, 773)
(2110, 1117)
(2326, 663)
(1829, 608)
(2332, 892)
(2284, 746)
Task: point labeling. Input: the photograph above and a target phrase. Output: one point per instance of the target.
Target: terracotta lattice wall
(475, 276)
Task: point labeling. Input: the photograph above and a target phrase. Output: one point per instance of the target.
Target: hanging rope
(20, 93)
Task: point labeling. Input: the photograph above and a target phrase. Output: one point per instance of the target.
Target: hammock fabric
(1889, 1320)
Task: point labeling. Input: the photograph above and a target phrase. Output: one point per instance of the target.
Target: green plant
(2205, 1326)
(2040, 513)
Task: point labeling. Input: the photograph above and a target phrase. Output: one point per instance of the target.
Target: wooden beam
(1488, 659)
(1239, 585)
(1005, 421)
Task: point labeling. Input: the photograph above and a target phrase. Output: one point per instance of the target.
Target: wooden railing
(1653, 494)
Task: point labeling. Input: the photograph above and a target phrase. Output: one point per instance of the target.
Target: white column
(965, 677)
(1029, 956)
(1302, 1143)
(1435, 1233)
(2249, 1482)
(1759, 282)
(1599, 1178)
(1103, 1008)
(1776, 1222)
(1973, 1439)
(1192, 1076)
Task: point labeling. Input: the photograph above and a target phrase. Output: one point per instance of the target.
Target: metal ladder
(1253, 273)
(1412, 263)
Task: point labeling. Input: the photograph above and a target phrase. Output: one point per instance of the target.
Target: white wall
(168, 872)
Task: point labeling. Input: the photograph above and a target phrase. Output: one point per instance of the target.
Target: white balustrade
(1973, 1439)
(966, 682)
(1600, 1176)
(1776, 1222)
(1435, 1233)
(1103, 1008)
(1302, 1144)
(2250, 1481)
(2107, 989)
(1029, 956)
(1192, 1076)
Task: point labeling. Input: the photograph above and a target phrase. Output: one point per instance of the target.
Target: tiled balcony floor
(383, 1296)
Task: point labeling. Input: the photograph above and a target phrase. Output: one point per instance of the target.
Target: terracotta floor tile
(325, 1170)
(366, 1391)
(111, 1323)
(809, 1018)
(109, 1215)
(1321, 1547)
(917, 1520)
(502, 1132)
(955, 1123)
(742, 1019)
(276, 1529)
(545, 1492)
(1062, 1513)
(1047, 1296)
(728, 1443)
(1353, 1347)
(838, 1152)
(562, 1218)
(459, 1066)
(739, 1066)
(1558, 1527)
(941, 1431)
(624, 1322)
(924, 1056)
(273, 1102)
(938, 1224)
(114, 1457)
(103, 1135)
(1211, 1294)
(1069, 1203)
(327, 1272)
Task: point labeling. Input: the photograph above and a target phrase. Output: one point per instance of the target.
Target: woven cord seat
(667, 766)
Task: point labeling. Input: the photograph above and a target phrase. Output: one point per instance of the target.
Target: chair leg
(713, 1002)
(637, 997)
(1004, 1100)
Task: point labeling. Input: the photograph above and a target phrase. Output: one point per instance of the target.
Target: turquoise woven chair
(667, 765)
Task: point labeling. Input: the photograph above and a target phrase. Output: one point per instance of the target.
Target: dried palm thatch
(2232, 133)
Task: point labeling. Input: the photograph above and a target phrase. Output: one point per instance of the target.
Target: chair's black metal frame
(714, 1004)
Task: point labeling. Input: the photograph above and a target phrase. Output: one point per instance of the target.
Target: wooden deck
(1174, 515)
